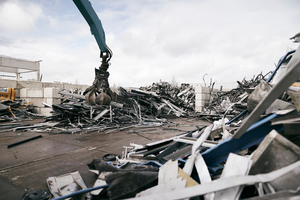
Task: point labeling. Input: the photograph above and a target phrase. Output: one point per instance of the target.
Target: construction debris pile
(16, 110)
(255, 158)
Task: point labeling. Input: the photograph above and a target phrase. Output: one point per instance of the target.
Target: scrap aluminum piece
(279, 105)
(137, 109)
(119, 129)
(203, 174)
(183, 92)
(67, 93)
(12, 125)
(26, 127)
(173, 184)
(286, 195)
(140, 125)
(273, 153)
(188, 140)
(141, 131)
(98, 182)
(235, 165)
(66, 184)
(101, 114)
(17, 128)
(73, 130)
(290, 77)
(197, 160)
(260, 91)
(295, 96)
(3, 107)
(287, 121)
(264, 189)
(48, 123)
(168, 172)
(174, 108)
(202, 138)
(170, 178)
(144, 92)
(282, 176)
(115, 104)
(47, 105)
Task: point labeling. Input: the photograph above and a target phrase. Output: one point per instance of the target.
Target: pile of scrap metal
(160, 105)
(256, 158)
(182, 96)
(16, 110)
(12, 109)
(242, 100)
(129, 108)
(231, 102)
(261, 174)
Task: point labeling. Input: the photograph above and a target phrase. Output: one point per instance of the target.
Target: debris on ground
(134, 108)
(232, 102)
(16, 110)
(257, 157)
(182, 96)
(250, 150)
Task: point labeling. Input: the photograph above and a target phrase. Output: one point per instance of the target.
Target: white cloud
(227, 40)
(16, 16)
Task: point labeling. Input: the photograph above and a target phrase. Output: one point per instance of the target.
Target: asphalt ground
(27, 166)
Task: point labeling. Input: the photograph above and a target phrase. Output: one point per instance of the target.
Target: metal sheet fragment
(291, 76)
(273, 178)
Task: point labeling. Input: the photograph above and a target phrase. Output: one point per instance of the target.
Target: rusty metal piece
(103, 99)
(91, 98)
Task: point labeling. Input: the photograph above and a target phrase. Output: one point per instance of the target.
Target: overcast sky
(152, 40)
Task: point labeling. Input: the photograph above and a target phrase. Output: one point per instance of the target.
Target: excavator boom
(99, 93)
(89, 14)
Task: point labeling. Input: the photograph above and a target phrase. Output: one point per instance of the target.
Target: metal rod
(279, 64)
(81, 192)
(23, 141)
(238, 116)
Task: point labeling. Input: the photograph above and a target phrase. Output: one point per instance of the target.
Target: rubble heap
(182, 96)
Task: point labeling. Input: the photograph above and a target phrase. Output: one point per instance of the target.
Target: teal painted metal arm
(99, 93)
(89, 14)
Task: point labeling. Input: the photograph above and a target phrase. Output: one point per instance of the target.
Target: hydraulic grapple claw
(95, 98)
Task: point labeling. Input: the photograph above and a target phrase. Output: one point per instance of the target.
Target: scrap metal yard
(157, 142)
(194, 139)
